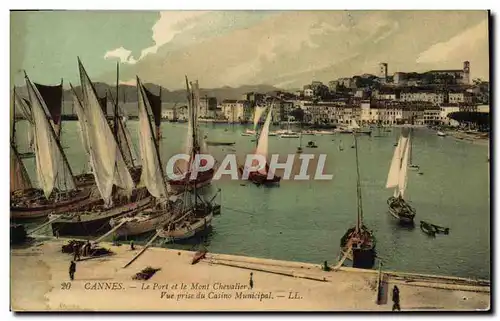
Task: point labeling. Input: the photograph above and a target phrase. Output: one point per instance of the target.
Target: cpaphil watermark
(296, 167)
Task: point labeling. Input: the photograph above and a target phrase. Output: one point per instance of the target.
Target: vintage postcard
(250, 161)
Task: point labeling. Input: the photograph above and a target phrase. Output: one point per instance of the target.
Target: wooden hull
(209, 143)
(85, 180)
(82, 198)
(203, 179)
(261, 179)
(405, 214)
(198, 226)
(363, 252)
(95, 223)
(17, 234)
(139, 224)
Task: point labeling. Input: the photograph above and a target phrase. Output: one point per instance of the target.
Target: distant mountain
(128, 93)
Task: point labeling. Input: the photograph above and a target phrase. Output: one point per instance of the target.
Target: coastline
(220, 282)
(468, 137)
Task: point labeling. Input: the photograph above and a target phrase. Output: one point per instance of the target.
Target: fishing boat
(428, 229)
(153, 177)
(219, 143)
(195, 214)
(354, 127)
(299, 148)
(25, 111)
(118, 193)
(441, 134)
(193, 218)
(358, 243)
(433, 228)
(398, 179)
(323, 132)
(261, 177)
(311, 144)
(289, 133)
(193, 148)
(60, 191)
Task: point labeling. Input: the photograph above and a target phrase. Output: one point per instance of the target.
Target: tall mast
(411, 145)
(51, 128)
(115, 126)
(158, 128)
(359, 221)
(13, 138)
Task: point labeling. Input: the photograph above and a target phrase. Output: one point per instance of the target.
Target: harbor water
(304, 221)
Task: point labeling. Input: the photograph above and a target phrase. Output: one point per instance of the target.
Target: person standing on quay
(251, 280)
(395, 299)
(72, 270)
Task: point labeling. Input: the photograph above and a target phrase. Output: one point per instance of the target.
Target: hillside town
(404, 97)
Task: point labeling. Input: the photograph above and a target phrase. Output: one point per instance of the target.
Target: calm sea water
(304, 221)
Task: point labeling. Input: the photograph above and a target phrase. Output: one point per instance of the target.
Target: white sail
(21, 105)
(263, 145)
(393, 176)
(257, 115)
(354, 124)
(52, 168)
(19, 179)
(152, 175)
(109, 166)
(403, 174)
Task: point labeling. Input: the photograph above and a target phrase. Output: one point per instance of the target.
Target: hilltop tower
(466, 76)
(382, 70)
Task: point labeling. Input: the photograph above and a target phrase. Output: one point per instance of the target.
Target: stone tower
(466, 77)
(382, 72)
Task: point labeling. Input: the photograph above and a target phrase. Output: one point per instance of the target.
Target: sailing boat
(193, 147)
(398, 178)
(356, 128)
(190, 219)
(412, 166)
(152, 176)
(258, 112)
(260, 177)
(60, 192)
(24, 108)
(113, 178)
(358, 243)
(299, 149)
(288, 133)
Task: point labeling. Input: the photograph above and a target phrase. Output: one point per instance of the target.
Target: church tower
(466, 76)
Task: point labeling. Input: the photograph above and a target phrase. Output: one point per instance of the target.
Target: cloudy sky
(232, 48)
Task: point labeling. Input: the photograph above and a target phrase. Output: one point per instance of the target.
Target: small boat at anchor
(358, 243)
(261, 177)
(311, 144)
(219, 143)
(398, 179)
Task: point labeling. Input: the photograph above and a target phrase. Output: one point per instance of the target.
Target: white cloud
(121, 53)
(460, 45)
(130, 82)
(168, 26)
(165, 29)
